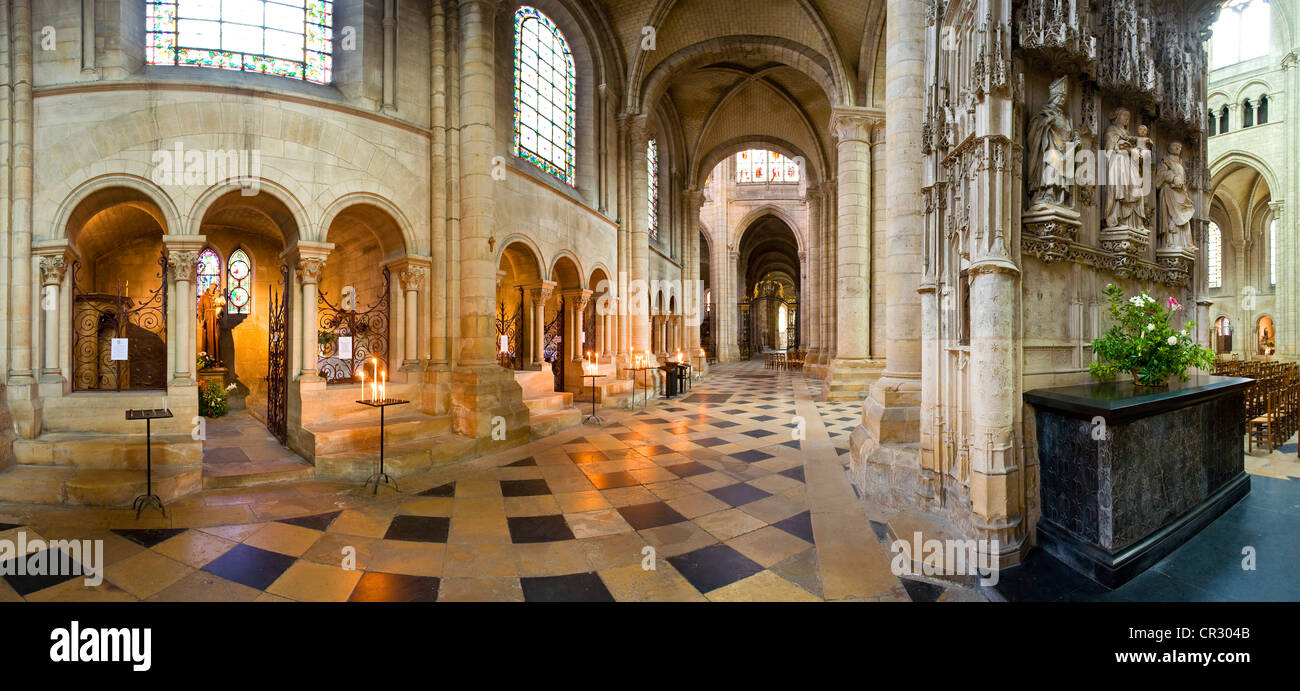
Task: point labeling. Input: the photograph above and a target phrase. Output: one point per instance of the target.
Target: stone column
(639, 259)
(692, 292)
(481, 390)
(411, 279)
(541, 294)
(892, 413)
(53, 269)
(598, 338)
(810, 296)
(310, 266)
(846, 377)
(575, 303)
(181, 265)
(828, 302)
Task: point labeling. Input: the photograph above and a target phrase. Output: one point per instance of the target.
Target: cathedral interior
(509, 297)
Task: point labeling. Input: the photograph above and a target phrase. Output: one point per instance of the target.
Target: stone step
(351, 434)
(400, 459)
(911, 527)
(548, 423)
(36, 484)
(108, 452)
(558, 400)
(230, 475)
(105, 412)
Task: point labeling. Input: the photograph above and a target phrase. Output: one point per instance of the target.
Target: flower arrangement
(1142, 342)
(204, 360)
(212, 399)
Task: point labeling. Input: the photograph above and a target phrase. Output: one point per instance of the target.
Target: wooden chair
(1262, 427)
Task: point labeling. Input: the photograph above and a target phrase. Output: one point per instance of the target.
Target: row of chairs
(1272, 402)
(785, 359)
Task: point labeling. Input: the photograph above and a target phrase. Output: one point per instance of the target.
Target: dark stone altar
(1128, 474)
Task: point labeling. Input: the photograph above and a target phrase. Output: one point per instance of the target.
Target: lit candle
(363, 382)
(383, 386)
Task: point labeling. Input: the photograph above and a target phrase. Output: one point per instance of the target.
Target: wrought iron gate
(589, 328)
(755, 308)
(277, 359)
(369, 332)
(512, 328)
(554, 347)
(98, 318)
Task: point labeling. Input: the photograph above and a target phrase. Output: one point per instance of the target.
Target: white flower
(1147, 298)
(1183, 332)
(1173, 340)
(1135, 301)
(1151, 327)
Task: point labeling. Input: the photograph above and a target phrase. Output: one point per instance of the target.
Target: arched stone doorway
(563, 333)
(520, 294)
(1265, 336)
(769, 269)
(597, 325)
(1222, 335)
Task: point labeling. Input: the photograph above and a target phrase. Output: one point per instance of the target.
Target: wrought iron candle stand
(148, 415)
(381, 476)
(593, 418)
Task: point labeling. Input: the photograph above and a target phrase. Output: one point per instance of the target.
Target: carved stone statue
(1123, 184)
(1052, 140)
(1176, 206)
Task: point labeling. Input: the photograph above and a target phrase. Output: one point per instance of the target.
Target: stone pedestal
(1049, 231)
(1128, 474)
(487, 405)
(1128, 245)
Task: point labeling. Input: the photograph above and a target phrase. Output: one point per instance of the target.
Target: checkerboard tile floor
(699, 498)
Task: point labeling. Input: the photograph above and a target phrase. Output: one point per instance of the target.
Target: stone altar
(1128, 474)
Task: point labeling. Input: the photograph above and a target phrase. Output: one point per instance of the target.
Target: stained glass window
(239, 284)
(1214, 256)
(761, 165)
(544, 95)
(652, 184)
(208, 273)
(288, 38)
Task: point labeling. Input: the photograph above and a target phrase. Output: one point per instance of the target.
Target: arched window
(208, 273)
(1247, 113)
(1272, 252)
(761, 165)
(652, 186)
(288, 38)
(544, 95)
(1211, 124)
(1214, 256)
(1262, 115)
(1223, 120)
(1241, 32)
(239, 283)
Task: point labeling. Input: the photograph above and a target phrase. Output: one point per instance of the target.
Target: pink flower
(1173, 304)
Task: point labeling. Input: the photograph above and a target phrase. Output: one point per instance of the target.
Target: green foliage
(204, 361)
(1142, 342)
(212, 399)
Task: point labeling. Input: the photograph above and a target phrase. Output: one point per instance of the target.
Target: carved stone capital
(182, 264)
(309, 269)
(853, 124)
(411, 278)
(542, 291)
(52, 269)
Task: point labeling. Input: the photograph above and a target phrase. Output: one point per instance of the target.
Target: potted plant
(1142, 342)
(212, 399)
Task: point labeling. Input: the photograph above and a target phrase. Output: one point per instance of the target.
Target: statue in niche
(1141, 153)
(1124, 188)
(1176, 206)
(209, 312)
(1052, 141)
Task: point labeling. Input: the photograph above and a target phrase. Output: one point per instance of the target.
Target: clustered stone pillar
(639, 259)
(846, 377)
(692, 291)
(826, 296)
(21, 389)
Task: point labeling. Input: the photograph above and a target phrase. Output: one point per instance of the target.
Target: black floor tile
(798, 525)
(46, 562)
(739, 494)
(395, 587)
(795, 473)
(762, 418)
(525, 529)
(583, 457)
(251, 566)
(578, 587)
(652, 451)
(418, 528)
(620, 478)
(9, 526)
(148, 537)
(688, 469)
(725, 424)
(320, 521)
(758, 433)
(751, 456)
(652, 515)
(713, 567)
(709, 442)
(524, 488)
(881, 530)
(447, 490)
(920, 591)
(521, 463)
